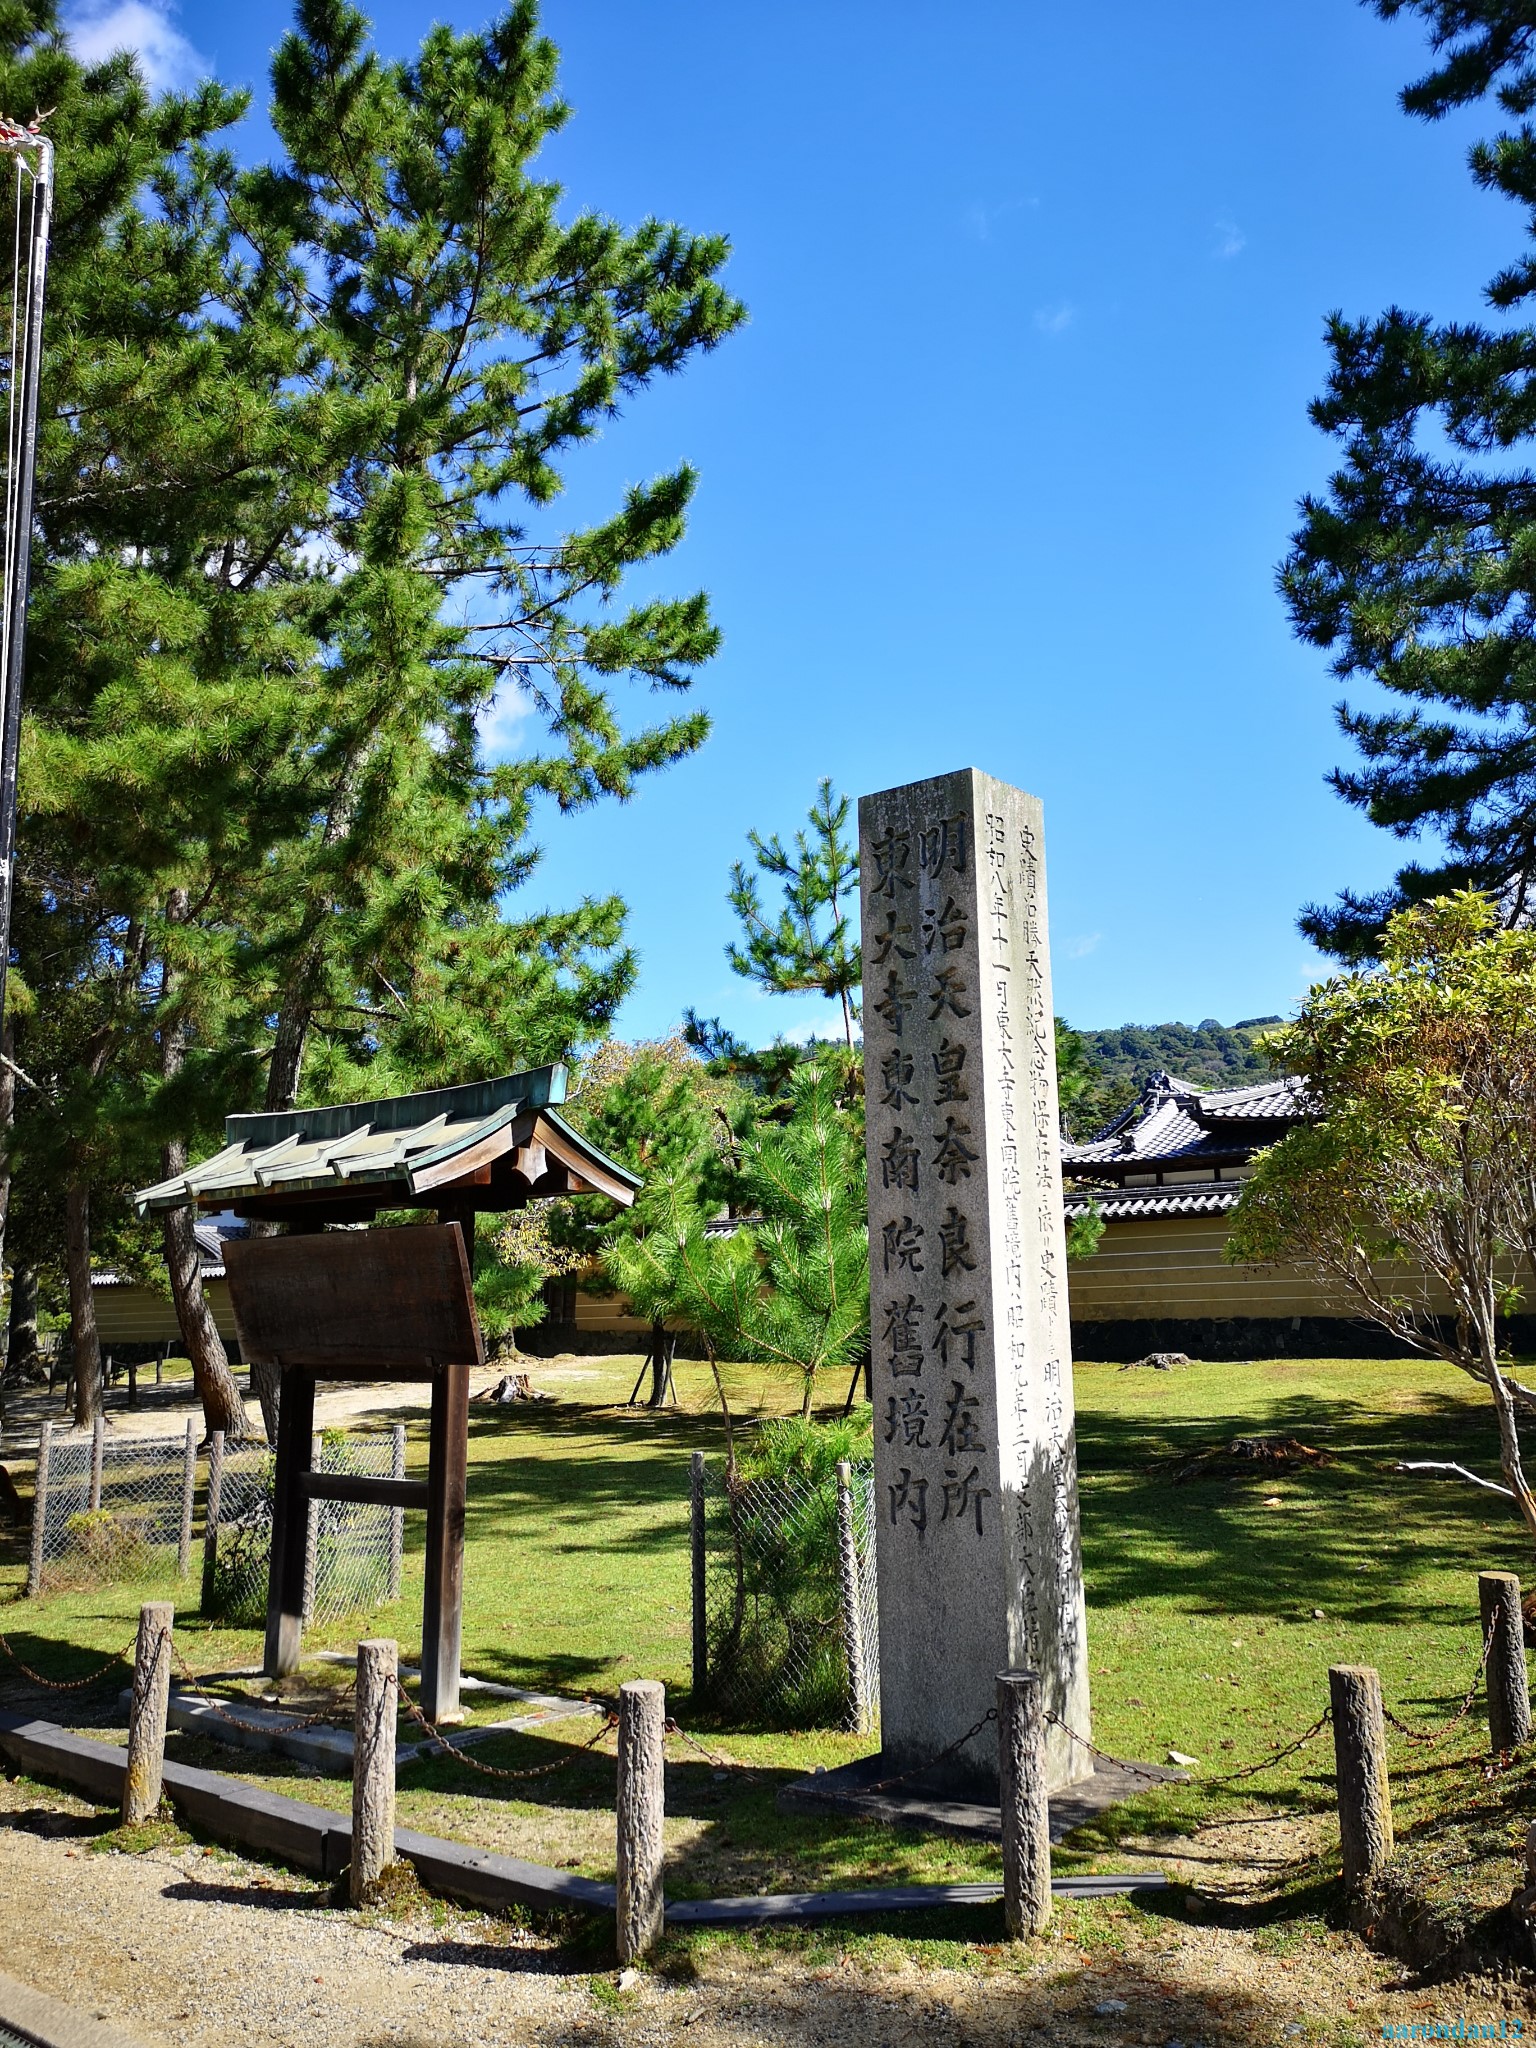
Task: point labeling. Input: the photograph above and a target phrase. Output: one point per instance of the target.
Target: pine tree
(291, 444)
(657, 1109)
(813, 942)
(464, 339)
(789, 1287)
(1415, 566)
(153, 450)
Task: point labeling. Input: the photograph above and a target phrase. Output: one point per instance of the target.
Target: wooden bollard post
(1026, 1810)
(1360, 1763)
(641, 1806)
(373, 1765)
(700, 1585)
(98, 1452)
(857, 1712)
(211, 1517)
(147, 1711)
(396, 1515)
(188, 1496)
(40, 1511)
(1509, 1693)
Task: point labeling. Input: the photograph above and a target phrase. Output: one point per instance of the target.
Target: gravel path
(188, 1946)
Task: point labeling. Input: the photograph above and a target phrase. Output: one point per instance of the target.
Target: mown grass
(1202, 1599)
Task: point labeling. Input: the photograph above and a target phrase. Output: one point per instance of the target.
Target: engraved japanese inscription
(975, 1458)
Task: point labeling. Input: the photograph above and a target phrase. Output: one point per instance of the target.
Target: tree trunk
(1509, 1440)
(21, 1351)
(663, 1350)
(222, 1405)
(7, 1113)
(215, 1383)
(82, 1309)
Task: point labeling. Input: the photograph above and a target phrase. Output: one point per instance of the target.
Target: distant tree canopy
(1118, 1061)
(1414, 566)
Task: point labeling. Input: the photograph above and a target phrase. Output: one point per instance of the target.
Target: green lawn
(1201, 1605)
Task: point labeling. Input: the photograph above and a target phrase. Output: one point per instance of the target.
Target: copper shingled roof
(498, 1142)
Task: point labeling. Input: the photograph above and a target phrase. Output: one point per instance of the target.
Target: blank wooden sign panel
(386, 1304)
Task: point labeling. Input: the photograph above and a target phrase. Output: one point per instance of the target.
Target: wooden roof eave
(519, 1151)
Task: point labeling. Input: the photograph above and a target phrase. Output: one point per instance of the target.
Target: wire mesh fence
(111, 1508)
(352, 1548)
(790, 1629)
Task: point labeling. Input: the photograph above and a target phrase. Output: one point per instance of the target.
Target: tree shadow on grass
(1352, 1536)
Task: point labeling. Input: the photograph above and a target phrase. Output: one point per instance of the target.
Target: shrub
(776, 1646)
(106, 1544)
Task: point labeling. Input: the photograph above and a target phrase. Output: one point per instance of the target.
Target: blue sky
(1000, 471)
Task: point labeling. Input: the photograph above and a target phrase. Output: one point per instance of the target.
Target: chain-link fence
(788, 1573)
(352, 1549)
(111, 1508)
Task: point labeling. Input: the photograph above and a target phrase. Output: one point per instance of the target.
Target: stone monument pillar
(975, 1455)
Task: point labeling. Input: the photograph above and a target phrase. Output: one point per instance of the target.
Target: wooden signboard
(372, 1304)
(375, 1304)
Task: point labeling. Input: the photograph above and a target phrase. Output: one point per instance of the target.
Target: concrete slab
(847, 1790)
(314, 1839)
(906, 1898)
(270, 1731)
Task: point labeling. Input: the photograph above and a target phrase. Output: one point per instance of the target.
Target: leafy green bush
(776, 1650)
(106, 1544)
(350, 1574)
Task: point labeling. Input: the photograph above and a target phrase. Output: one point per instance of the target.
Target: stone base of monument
(933, 1810)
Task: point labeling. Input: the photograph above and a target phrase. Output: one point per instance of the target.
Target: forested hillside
(1210, 1054)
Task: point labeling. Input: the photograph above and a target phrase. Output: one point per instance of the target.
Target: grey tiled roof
(1174, 1124)
(1195, 1198)
(1268, 1101)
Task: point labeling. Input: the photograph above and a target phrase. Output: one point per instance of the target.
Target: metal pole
(20, 539)
(856, 1717)
(700, 1583)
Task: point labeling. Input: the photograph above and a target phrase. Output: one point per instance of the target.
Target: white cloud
(100, 28)
(1055, 319)
(980, 219)
(501, 722)
(1079, 949)
(1230, 239)
(808, 1034)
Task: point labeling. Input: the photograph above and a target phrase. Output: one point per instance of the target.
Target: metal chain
(1153, 1777)
(70, 1684)
(492, 1770)
(1428, 1738)
(326, 1715)
(1276, 1756)
(671, 1727)
(901, 1777)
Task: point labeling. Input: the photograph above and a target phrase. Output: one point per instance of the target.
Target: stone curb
(46, 2023)
(314, 1839)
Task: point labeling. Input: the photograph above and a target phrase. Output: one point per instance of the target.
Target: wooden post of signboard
(441, 1626)
(447, 1458)
(290, 1523)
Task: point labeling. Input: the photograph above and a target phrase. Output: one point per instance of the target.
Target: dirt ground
(164, 1410)
(186, 1945)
